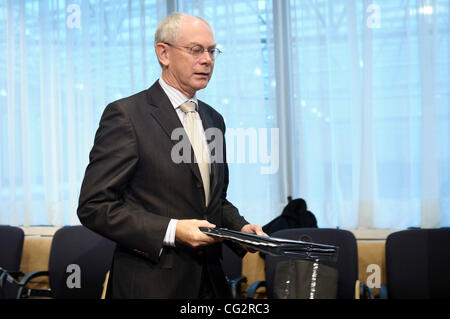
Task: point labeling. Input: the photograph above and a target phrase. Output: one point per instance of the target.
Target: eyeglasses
(197, 50)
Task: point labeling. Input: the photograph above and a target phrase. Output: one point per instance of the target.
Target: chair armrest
(9, 283)
(365, 292)
(33, 275)
(384, 292)
(25, 280)
(253, 287)
(235, 285)
(16, 274)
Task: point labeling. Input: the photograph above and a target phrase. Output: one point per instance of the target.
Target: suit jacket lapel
(166, 116)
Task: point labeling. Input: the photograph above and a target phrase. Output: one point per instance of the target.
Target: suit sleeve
(231, 218)
(112, 162)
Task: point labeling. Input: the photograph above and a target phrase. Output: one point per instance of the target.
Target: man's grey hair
(168, 30)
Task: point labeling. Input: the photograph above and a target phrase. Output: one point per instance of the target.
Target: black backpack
(294, 215)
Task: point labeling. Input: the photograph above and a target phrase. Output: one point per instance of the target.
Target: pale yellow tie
(197, 144)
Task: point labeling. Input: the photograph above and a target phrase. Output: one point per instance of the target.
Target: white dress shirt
(177, 98)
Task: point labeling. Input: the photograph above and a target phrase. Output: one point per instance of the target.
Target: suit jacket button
(199, 184)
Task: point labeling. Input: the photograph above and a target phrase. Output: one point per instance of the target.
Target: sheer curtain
(62, 62)
(239, 91)
(344, 103)
(371, 109)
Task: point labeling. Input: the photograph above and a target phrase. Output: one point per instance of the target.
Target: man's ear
(162, 53)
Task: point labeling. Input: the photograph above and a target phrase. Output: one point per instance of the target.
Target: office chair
(232, 267)
(11, 245)
(78, 264)
(346, 264)
(418, 264)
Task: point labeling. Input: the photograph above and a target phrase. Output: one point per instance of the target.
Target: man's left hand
(252, 229)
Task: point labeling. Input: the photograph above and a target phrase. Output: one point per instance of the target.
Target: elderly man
(151, 205)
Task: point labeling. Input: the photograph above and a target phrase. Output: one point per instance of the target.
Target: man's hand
(188, 233)
(252, 229)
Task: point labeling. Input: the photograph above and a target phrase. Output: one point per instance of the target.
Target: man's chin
(201, 84)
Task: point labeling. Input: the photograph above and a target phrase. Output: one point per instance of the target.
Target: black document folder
(277, 246)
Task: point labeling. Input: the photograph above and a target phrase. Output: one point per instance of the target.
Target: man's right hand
(188, 233)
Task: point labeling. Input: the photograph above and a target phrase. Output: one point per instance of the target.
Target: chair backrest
(418, 263)
(231, 263)
(79, 261)
(11, 244)
(346, 264)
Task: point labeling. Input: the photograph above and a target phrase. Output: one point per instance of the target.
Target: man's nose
(206, 58)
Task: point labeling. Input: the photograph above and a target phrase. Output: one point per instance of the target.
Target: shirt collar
(175, 96)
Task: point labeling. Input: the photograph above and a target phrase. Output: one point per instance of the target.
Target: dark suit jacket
(132, 189)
